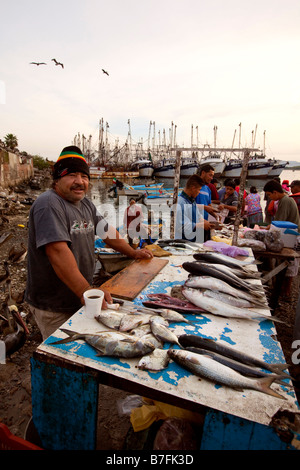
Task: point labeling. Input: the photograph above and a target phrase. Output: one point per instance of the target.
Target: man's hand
(143, 254)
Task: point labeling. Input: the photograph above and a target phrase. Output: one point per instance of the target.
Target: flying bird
(38, 63)
(58, 63)
(104, 71)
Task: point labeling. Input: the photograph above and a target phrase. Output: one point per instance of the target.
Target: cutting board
(129, 282)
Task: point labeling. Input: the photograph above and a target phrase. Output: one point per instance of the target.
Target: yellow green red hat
(70, 160)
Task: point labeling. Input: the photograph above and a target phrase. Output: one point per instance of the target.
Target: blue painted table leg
(64, 406)
(223, 431)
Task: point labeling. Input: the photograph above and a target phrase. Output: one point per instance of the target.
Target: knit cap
(71, 160)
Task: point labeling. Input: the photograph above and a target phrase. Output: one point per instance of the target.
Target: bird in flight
(58, 63)
(38, 63)
(104, 71)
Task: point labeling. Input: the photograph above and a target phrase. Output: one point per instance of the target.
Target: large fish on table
(219, 308)
(111, 343)
(210, 369)
(218, 285)
(227, 351)
(219, 258)
(199, 269)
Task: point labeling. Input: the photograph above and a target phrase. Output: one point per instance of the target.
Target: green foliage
(40, 163)
(11, 141)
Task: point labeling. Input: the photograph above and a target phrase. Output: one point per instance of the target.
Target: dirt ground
(15, 379)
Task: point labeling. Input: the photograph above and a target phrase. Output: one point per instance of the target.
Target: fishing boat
(165, 168)
(144, 166)
(278, 167)
(233, 168)
(259, 166)
(216, 161)
(189, 166)
(96, 171)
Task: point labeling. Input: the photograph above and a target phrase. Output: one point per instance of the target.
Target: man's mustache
(78, 186)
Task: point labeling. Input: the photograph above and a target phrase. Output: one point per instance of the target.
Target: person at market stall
(206, 173)
(287, 211)
(61, 238)
(229, 201)
(295, 192)
(254, 209)
(190, 223)
(133, 218)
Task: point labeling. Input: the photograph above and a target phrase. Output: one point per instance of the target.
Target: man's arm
(65, 266)
(114, 240)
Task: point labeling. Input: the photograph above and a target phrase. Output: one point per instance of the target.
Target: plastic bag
(225, 249)
(175, 434)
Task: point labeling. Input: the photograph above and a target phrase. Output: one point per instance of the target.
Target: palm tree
(11, 141)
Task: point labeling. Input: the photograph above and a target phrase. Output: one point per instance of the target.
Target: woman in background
(254, 211)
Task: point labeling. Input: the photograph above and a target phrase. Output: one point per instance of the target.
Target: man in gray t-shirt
(62, 226)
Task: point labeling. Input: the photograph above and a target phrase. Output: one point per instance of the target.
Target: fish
(212, 283)
(205, 366)
(198, 268)
(128, 322)
(110, 319)
(162, 332)
(221, 309)
(243, 369)
(155, 361)
(167, 301)
(222, 259)
(238, 271)
(110, 343)
(232, 353)
(173, 316)
(229, 299)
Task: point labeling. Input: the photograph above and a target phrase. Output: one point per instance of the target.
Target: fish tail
(72, 336)
(264, 386)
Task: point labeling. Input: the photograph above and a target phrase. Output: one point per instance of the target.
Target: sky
(229, 64)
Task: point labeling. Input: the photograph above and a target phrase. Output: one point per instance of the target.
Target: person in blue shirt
(206, 173)
(190, 224)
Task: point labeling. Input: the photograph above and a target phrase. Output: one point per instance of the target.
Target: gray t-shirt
(53, 219)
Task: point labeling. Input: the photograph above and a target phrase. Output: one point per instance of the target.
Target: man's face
(207, 176)
(229, 191)
(273, 195)
(73, 187)
(195, 190)
(295, 189)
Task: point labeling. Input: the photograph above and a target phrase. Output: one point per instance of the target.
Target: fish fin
(72, 336)
(265, 387)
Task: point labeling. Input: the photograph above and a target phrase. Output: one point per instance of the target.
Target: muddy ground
(15, 381)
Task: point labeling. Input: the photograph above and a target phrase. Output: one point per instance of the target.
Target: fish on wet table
(197, 341)
(244, 369)
(155, 361)
(198, 269)
(173, 316)
(230, 299)
(205, 366)
(121, 321)
(219, 308)
(224, 259)
(240, 272)
(161, 331)
(110, 343)
(214, 284)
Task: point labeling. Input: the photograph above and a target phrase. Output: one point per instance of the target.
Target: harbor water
(113, 210)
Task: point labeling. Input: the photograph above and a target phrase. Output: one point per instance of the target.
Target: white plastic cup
(93, 299)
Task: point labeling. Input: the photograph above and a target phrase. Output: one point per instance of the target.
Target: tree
(40, 163)
(11, 141)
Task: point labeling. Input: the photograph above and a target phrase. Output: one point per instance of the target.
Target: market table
(65, 380)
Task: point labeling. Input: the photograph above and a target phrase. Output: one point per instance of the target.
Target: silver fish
(210, 369)
(232, 353)
(162, 332)
(155, 361)
(111, 319)
(220, 309)
(223, 259)
(212, 283)
(129, 322)
(111, 343)
(229, 299)
(173, 316)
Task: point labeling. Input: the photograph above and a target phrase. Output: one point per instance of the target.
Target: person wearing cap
(295, 192)
(189, 223)
(61, 237)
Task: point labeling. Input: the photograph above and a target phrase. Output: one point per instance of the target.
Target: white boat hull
(188, 169)
(146, 172)
(165, 171)
(233, 169)
(277, 169)
(257, 169)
